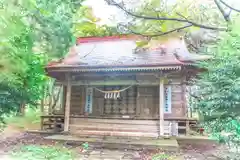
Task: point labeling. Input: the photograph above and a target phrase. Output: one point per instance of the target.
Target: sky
(101, 9)
(108, 14)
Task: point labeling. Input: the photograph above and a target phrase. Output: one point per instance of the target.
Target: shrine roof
(117, 52)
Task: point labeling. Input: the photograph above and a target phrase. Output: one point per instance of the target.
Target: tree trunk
(22, 109)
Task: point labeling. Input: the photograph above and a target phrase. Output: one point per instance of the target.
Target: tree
(218, 94)
(162, 12)
(22, 72)
(32, 33)
(85, 24)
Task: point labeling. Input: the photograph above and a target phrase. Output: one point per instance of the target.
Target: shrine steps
(111, 142)
(115, 133)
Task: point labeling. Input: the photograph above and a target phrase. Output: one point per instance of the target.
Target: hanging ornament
(115, 95)
(118, 95)
(105, 96)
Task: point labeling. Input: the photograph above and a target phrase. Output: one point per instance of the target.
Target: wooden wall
(140, 102)
(148, 102)
(178, 101)
(78, 99)
(117, 127)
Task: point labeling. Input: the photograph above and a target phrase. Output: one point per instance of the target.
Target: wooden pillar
(42, 112)
(67, 105)
(161, 107)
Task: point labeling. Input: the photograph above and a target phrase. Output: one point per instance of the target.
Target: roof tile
(120, 52)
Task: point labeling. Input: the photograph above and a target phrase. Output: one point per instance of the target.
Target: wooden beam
(161, 107)
(67, 105)
(112, 83)
(42, 112)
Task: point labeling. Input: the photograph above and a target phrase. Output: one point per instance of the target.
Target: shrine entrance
(119, 100)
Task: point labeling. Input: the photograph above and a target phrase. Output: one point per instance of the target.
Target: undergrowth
(37, 152)
(30, 119)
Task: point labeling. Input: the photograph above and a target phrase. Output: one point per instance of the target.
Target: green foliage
(30, 119)
(219, 88)
(22, 72)
(53, 23)
(86, 24)
(193, 10)
(34, 32)
(162, 156)
(35, 152)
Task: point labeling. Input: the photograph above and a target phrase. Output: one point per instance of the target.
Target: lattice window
(168, 99)
(126, 104)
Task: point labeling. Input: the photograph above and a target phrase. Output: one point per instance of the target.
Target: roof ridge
(107, 38)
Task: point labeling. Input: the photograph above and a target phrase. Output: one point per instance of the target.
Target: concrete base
(123, 143)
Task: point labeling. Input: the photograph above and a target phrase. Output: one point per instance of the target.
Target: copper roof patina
(119, 53)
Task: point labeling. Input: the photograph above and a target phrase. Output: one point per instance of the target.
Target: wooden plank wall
(178, 108)
(145, 105)
(78, 99)
(114, 127)
(148, 102)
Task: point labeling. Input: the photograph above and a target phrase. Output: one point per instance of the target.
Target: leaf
(141, 43)
(193, 28)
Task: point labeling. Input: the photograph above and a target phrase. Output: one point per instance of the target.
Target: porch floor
(120, 143)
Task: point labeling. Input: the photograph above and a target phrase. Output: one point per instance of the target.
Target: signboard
(89, 100)
(168, 100)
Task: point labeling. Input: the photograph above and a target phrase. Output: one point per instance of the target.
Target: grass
(29, 120)
(37, 152)
(163, 156)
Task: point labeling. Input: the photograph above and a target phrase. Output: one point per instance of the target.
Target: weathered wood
(41, 123)
(142, 80)
(143, 128)
(115, 127)
(67, 106)
(52, 116)
(42, 112)
(116, 133)
(187, 128)
(143, 102)
(184, 96)
(113, 121)
(137, 106)
(78, 98)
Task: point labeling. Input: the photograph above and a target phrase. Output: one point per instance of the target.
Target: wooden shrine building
(113, 88)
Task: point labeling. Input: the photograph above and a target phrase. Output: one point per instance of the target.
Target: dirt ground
(12, 139)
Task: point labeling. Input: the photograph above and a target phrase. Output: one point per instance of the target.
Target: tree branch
(232, 8)
(161, 33)
(226, 16)
(120, 6)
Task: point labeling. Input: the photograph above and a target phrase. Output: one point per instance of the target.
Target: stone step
(123, 143)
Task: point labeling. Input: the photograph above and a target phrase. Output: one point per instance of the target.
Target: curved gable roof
(120, 51)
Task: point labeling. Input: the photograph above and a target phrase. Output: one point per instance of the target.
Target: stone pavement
(105, 154)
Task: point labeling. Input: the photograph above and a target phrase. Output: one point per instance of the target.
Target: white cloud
(110, 15)
(103, 11)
